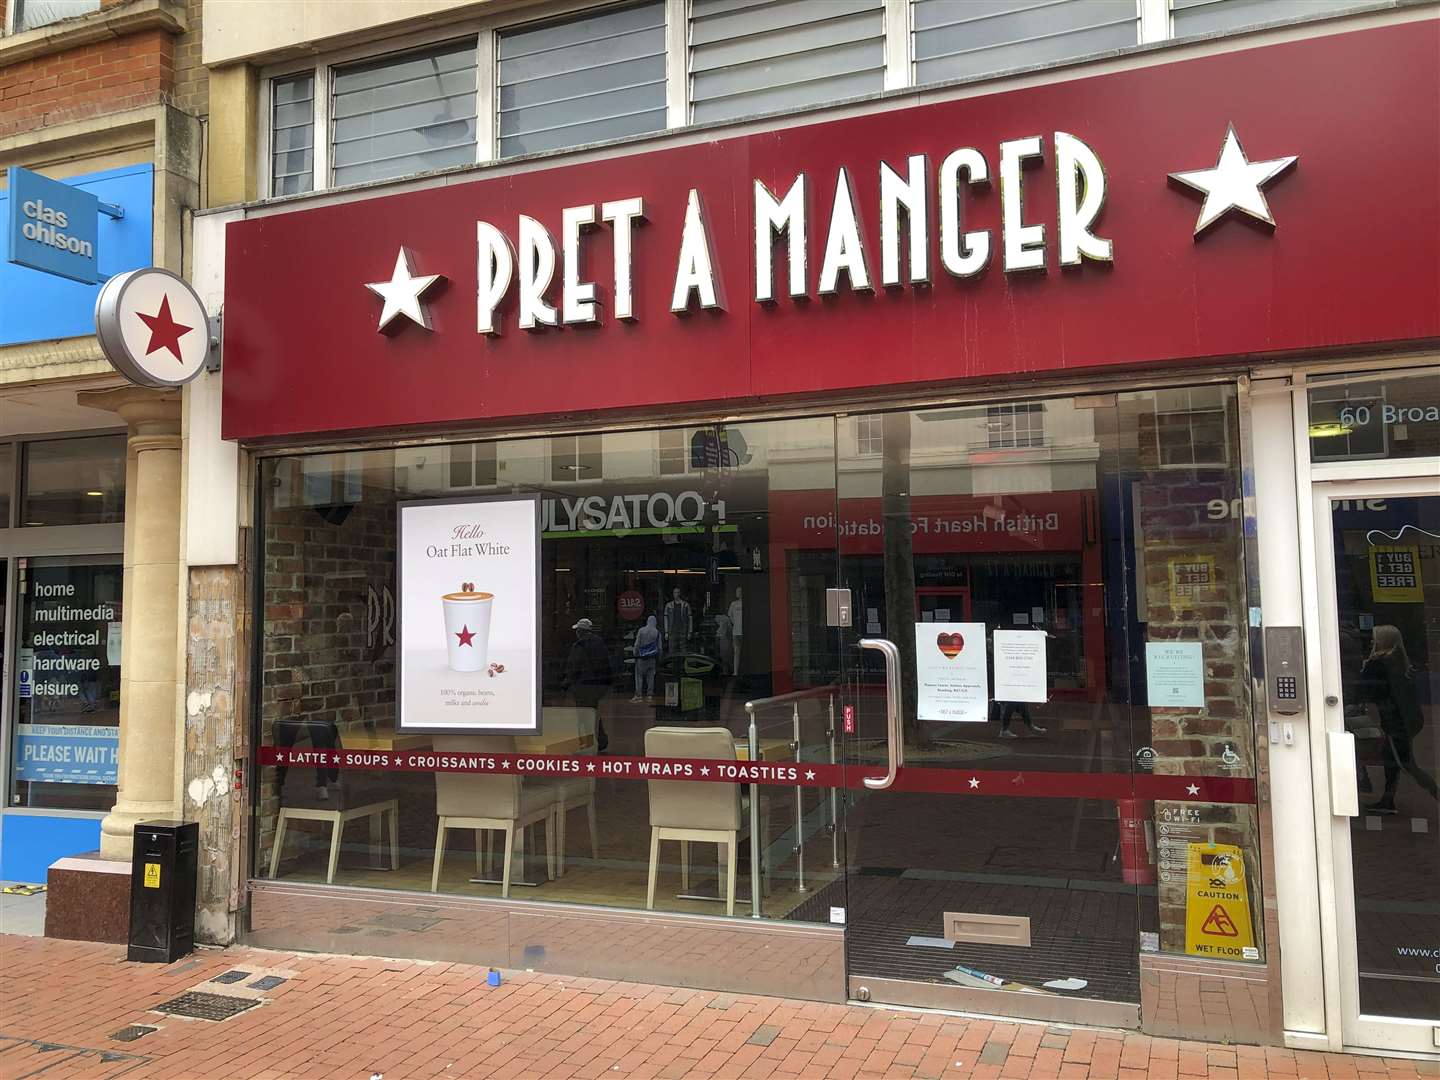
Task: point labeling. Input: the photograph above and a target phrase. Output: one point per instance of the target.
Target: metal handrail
(792, 699)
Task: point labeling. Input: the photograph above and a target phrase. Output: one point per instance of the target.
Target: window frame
(1154, 22)
(13, 16)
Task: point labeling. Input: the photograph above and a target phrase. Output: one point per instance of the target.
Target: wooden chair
(488, 804)
(348, 796)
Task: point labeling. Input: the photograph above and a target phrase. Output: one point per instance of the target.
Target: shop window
(956, 39)
(403, 114)
(581, 80)
(77, 481)
(748, 58)
(869, 435)
(7, 481)
(673, 451)
(67, 684)
(30, 14)
(1191, 17)
(472, 465)
(1015, 426)
(1191, 428)
(577, 457)
(292, 134)
(1359, 419)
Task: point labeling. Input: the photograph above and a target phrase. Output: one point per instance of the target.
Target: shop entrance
(1379, 548)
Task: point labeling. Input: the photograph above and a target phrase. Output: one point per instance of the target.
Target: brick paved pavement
(339, 1016)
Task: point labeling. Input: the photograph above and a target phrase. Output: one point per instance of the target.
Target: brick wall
(144, 68)
(324, 657)
(1180, 529)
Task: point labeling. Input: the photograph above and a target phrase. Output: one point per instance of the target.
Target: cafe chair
(345, 796)
(487, 804)
(696, 811)
(572, 730)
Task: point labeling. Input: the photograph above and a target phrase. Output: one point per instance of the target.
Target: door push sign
(52, 226)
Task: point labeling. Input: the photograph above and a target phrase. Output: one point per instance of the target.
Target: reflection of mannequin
(737, 631)
(725, 641)
(677, 623)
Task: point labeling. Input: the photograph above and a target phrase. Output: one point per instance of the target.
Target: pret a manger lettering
(918, 200)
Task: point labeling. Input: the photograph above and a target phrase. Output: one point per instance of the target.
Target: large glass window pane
(957, 39)
(658, 590)
(1218, 16)
(73, 481)
(67, 684)
(1396, 416)
(581, 80)
(403, 114)
(1387, 606)
(292, 134)
(748, 57)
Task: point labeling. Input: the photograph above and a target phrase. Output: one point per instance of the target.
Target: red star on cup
(466, 635)
(165, 332)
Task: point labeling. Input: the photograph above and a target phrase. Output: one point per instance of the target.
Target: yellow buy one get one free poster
(1217, 904)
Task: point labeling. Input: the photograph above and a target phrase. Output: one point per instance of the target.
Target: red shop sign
(1243, 203)
(987, 782)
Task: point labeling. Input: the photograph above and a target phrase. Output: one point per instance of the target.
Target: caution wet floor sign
(1217, 904)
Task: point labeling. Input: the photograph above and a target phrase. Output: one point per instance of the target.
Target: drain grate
(202, 1006)
(267, 982)
(133, 1032)
(232, 976)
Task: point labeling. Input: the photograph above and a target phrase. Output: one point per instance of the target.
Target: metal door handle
(893, 738)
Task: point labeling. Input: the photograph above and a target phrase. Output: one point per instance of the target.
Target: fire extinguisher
(1137, 849)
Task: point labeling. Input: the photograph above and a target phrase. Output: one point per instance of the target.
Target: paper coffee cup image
(467, 629)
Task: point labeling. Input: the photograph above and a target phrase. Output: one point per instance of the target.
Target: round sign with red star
(152, 327)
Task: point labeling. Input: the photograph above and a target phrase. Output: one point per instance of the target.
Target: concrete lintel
(119, 20)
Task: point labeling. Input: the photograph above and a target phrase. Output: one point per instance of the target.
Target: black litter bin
(162, 890)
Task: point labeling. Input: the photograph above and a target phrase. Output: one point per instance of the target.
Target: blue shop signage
(67, 753)
(52, 226)
(57, 266)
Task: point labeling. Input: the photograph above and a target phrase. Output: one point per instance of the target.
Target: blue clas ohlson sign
(49, 279)
(51, 226)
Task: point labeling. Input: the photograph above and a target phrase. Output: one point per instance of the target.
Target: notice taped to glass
(468, 638)
(951, 671)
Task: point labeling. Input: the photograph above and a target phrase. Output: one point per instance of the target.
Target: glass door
(1379, 547)
(1045, 704)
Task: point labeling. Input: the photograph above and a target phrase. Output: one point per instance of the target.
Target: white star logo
(402, 294)
(809, 774)
(1193, 789)
(505, 763)
(974, 782)
(704, 770)
(590, 767)
(1234, 183)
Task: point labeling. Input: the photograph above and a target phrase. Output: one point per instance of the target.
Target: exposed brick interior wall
(1178, 526)
(144, 68)
(325, 655)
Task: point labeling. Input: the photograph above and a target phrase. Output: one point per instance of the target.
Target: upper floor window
(576, 457)
(1013, 426)
(673, 457)
(1218, 16)
(954, 39)
(403, 114)
(30, 14)
(581, 80)
(292, 134)
(748, 58)
(869, 434)
(473, 465)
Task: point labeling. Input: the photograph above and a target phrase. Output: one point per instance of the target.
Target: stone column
(150, 663)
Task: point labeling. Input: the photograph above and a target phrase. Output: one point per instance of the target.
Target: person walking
(589, 674)
(647, 658)
(1387, 681)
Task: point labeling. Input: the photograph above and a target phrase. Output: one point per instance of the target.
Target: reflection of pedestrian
(1388, 682)
(589, 672)
(1009, 709)
(647, 657)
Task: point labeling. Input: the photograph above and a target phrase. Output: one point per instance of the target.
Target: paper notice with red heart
(951, 672)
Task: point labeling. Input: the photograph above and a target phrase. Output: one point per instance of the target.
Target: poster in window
(469, 628)
(952, 673)
(1192, 580)
(1395, 574)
